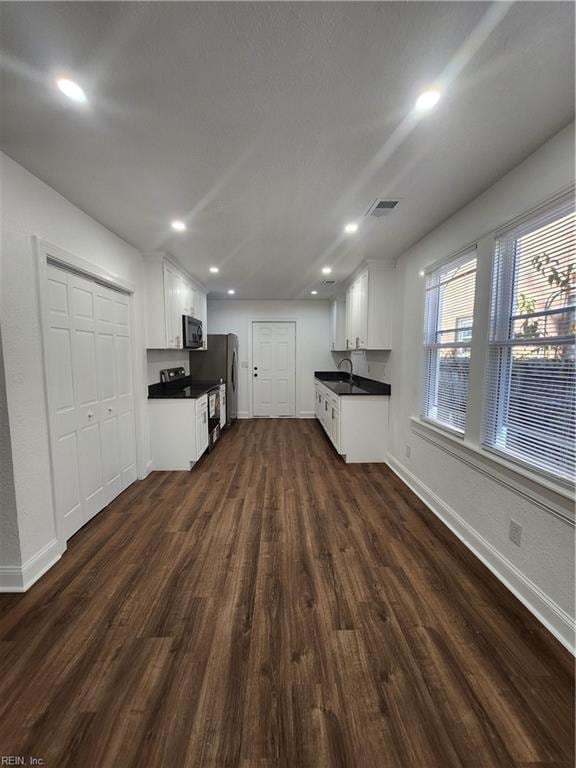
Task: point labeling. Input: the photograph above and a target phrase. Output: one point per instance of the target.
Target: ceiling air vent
(381, 208)
(328, 282)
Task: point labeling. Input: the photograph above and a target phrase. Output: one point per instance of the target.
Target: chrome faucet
(347, 360)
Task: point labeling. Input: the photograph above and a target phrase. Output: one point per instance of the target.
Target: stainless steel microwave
(192, 332)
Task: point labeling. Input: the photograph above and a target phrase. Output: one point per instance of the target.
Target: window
(447, 338)
(529, 409)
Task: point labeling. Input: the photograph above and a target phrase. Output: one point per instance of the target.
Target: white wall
(29, 208)
(9, 539)
(312, 342)
(157, 359)
(371, 364)
(480, 508)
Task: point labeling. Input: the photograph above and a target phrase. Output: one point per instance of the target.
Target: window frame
(471, 440)
(430, 335)
(500, 339)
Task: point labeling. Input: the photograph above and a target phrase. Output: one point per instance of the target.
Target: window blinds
(449, 312)
(529, 408)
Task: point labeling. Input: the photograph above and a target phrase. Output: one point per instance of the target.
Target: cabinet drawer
(202, 403)
(334, 400)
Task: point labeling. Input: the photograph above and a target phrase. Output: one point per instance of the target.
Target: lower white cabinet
(357, 425)
(178, 432)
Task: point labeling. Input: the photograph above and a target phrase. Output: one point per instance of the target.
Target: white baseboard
(19, 578)
(301, 415)
(551, 615)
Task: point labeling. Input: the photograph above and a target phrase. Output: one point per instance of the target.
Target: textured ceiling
(268, 126)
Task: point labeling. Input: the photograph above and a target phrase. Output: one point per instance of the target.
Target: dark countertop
(339, 383)
(181, 389)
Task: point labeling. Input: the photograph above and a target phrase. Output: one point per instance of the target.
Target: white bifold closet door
(90, 395)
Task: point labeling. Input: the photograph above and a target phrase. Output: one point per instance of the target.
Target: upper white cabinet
(338, 324)
(369, 309)
(170, 294)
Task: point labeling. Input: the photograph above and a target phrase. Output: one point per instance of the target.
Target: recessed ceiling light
(427, 100)
(314, 293)
(72, 90)
(178, 225)
(351, 227)
(326, 270)
(214, 270)
(422, 273)
(231, 291)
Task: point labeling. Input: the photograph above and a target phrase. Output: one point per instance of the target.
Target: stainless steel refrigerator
(219, 361)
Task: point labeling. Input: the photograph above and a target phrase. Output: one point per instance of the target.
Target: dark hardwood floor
(276, 607)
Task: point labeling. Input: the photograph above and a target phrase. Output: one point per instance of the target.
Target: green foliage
(562, 279)
(530, 326)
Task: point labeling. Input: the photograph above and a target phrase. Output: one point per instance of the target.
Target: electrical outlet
(408, 451)
(515, 533)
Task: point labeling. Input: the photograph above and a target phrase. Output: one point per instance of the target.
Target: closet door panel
(62, 402)
(91, 480)
(127, 448)
(86, 381)
(67, 483)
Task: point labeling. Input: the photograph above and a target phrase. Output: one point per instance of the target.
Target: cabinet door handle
(357, 340)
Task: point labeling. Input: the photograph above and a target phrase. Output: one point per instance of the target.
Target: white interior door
(90, 395)
(274, 368)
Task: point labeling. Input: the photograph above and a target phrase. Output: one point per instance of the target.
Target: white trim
(71, 262)
(472, 248)
(306, 415)
(164, 256)
(549, 613)
(19, 578)
(551, 498)
(506, 230)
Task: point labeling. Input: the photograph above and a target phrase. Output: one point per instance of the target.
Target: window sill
(555, 498)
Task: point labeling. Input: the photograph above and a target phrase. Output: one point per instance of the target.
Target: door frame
(47, 253)
(251, 365)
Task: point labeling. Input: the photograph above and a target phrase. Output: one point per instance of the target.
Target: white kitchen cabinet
(357, 425)
(338, 324)
(178, 432)
(369, 308)
(170, 293)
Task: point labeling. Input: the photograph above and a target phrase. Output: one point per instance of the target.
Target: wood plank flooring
(276, 607)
